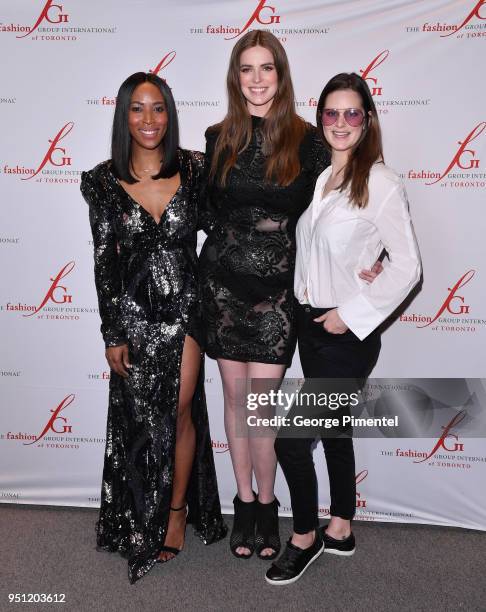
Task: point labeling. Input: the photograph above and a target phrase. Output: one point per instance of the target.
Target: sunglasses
(353, 116)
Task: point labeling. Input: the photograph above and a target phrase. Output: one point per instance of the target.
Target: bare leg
(232, 372)
(303, 540)
(262, 452)
(185, 446)
(249, 454)
(338, 528)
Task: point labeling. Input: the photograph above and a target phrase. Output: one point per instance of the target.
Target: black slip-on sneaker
(293, 562)
(345, 548)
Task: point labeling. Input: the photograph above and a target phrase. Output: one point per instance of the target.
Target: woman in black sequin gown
(263, 162)
(143, 208)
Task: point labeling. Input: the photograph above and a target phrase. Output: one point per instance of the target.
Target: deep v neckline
(169, 202)
(143, 209)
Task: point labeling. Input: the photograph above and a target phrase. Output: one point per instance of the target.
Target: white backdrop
(62, 65)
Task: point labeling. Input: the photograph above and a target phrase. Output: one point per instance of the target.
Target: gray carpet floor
(395, 568)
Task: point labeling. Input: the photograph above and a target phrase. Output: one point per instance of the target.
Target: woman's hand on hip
(370, 275)
(117, 358)
(332, 322)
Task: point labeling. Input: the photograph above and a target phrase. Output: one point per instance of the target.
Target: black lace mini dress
(247, 262)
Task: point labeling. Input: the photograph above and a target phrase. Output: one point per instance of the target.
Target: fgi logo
(474, 13)
(444, 441)
(164, 62)
(360, 501)
(263, 14)
(454, 304)
(56, 156)
(56, 293)
(464, 158)
(52, 13)
(57, 424)
(367, 76)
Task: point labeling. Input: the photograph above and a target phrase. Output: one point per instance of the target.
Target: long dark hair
(121, 140)
(368, 149)
(283, 129)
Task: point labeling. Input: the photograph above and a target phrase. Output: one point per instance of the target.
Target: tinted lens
(329, 116)
(353, 117)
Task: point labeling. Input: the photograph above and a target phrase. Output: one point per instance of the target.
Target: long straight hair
(368, 149)
(121, 139)
(283, 130)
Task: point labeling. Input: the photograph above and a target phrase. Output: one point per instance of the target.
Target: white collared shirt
(336, 240)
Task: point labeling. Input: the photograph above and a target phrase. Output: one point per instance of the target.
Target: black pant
(324, 355)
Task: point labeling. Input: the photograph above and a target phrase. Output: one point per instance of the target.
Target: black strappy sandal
(267, 534)
(243, 532)
(171, 549)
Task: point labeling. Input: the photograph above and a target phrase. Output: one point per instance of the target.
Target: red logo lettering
(257, 15)
(51, 423)
(379, 59)
(473, 13)
(441, 442)
(48, 15)
(51, 294)
(360, 503)
(220, 447)
(63, 161)
(458, 159)
(164, 62)
(361, 476)
(448, 302)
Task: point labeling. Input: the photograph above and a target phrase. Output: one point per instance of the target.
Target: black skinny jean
(324, 355)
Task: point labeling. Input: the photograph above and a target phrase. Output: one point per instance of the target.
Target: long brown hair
(368, 149)
(283, 130)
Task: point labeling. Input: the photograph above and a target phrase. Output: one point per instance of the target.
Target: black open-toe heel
(267, 535)
(172, 549)
(243, 533)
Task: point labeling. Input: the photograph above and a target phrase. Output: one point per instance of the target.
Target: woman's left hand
(370, 275)
(332, 322)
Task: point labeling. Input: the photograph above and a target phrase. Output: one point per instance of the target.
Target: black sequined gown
(148, 294)
(247, 262)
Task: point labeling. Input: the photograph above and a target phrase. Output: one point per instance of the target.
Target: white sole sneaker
(340, 553)
(295, 578)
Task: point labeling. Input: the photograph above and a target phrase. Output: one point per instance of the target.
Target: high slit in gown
(149, 298)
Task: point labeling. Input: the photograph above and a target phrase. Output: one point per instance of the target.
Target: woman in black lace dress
(143, 214)
(263, 161)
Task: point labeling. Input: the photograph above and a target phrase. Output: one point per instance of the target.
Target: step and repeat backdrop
(63, 62)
